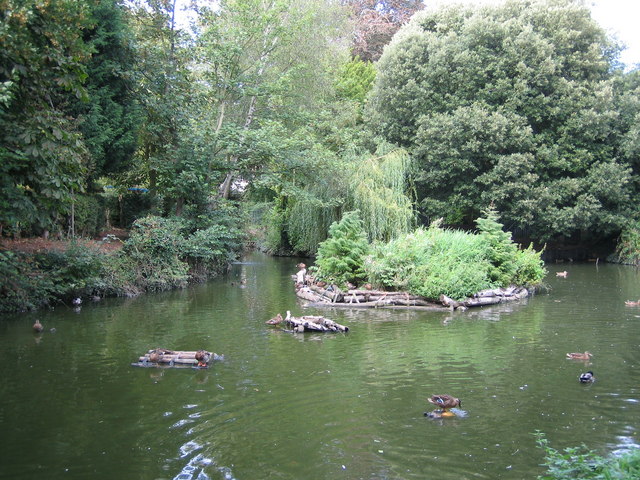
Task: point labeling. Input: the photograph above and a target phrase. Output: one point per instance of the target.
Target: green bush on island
(580, 462)
(432, 261)
(435, 261)
(341, 257)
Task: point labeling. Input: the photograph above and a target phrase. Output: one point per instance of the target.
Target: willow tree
(512, 104)
(375, 185)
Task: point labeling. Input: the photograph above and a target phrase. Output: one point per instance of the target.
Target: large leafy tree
(162, 52)
(260, 78)
(42, 155)
(512, 104)
(109, 119)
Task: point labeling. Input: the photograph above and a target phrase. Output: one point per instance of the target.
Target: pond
(314, 406)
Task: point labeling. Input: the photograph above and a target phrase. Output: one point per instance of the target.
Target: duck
(444, 402)
(587, 377)
(155, 356)
(580, 356)
(275, 320)
(37, 327)
(202, 357)
(76, 301)
(630, 303)
(562, 274)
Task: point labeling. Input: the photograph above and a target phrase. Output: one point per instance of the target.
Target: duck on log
(177, 358)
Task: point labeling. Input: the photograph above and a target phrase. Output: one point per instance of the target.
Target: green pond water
(313, 406)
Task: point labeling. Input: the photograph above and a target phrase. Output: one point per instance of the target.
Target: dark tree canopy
(510, 104)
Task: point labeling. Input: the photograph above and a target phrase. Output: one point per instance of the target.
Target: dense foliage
(111, 111)
(161, 254)
(516, 104)
(580, 462)
(435, 261)
(340, 259)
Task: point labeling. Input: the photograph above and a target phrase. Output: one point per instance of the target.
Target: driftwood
(177, 358)
(333, 296)
(308, 323)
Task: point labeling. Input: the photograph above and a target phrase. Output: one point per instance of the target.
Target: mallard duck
(630, 303)
(155, 356)
(587, 377)
(444, 402)
(580, 356)
(562, 274)
(202, 357)
(275, 320)
(37, 327)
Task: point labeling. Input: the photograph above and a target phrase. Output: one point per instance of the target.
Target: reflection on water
(293, 406)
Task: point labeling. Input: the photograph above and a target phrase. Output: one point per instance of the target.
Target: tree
(109, 119)
(43, 159)
(340, 258)
(261, 77)
(510, 104)
(376, 21)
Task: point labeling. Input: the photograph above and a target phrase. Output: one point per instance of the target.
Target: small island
(429, 269)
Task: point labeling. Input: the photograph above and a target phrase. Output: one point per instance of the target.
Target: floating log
(311, 323)
(177, 358)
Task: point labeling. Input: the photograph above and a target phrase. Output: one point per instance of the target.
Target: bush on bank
(580, 462)
(160, 254)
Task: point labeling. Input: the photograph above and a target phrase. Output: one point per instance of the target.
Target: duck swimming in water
(580, 356)
(37, 327)
(275, 320)
(562, 274)
(587, 377)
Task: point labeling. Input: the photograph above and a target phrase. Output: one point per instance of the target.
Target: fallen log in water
(308, 323)
(487, 297)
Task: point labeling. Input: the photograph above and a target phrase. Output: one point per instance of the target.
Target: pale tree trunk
(267, 48)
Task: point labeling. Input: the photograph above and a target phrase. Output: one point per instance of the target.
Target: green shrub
(430, 262)
(209, 250)
(341, 257)
(23, 285)
(628, 247)
(153, 249)
(438, 261)
(584, 464)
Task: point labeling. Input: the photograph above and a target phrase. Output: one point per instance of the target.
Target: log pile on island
(162, 357)
(364, 298)
(307, 323)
